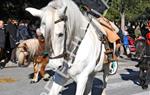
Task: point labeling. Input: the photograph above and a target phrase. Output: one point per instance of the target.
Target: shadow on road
(50, 72)
(133, 76)
(96, 89)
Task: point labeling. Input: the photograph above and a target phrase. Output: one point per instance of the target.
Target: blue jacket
(125, 40)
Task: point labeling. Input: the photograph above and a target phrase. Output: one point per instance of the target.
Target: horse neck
(77, 31)
(41, 47)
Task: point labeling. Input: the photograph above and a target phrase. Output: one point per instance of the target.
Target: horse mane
(74, 23)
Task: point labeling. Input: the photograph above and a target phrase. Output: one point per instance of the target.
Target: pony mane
(74, 23)
(32, 45)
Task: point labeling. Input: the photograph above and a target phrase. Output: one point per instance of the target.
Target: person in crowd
(126, 42)
(11, 29)
(2, 35)
(144, 63)
(137, 32)
(32, 26)
(2, 39)
(145, 28)
(120, 34)
(22, 32)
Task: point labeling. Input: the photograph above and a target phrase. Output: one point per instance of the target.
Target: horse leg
(105, 77)
(57, 85)
(105, 74)
(88, 90)
(42, 72)
(81, 79)
(36, 72)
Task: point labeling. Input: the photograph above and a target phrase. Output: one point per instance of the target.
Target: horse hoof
(46, 77)
(33, 81)
(144, 87)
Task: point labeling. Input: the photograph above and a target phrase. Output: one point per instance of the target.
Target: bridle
(64, 54)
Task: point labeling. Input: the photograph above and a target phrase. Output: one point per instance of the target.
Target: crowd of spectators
(12, 33)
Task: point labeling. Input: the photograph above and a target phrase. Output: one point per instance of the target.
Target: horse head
(53, 28)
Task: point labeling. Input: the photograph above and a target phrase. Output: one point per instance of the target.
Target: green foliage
(133, 9)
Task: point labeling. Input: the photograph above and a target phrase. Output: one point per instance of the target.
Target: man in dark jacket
(144, 61)
(3, 55)
(2, 35)
(11, 29)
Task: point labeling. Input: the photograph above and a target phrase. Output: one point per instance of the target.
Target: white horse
(63, 24)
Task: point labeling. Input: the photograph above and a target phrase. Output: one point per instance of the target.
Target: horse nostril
(60, 34)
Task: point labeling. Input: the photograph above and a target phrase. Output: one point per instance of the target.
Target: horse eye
(60, 34)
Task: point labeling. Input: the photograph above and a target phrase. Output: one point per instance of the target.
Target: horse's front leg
(36, 73)
(81, 83)
(57, 85)
(42, 72)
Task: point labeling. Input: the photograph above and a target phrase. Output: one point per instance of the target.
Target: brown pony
(32, 49)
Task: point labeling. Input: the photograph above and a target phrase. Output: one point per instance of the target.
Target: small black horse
(143, 56)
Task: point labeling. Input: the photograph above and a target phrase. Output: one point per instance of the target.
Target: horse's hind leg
(105, 77)
(88, 90)
(105, 74)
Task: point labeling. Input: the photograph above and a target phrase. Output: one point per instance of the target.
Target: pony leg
(42, 70)
(57, 85)
(88, 90)
(42, 73)
(36, 72)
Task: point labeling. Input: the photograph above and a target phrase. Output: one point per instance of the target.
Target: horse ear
(34, 12)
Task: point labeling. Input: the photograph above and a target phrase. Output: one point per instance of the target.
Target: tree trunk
(122, 21)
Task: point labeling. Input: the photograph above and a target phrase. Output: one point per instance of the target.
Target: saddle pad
(110, 31)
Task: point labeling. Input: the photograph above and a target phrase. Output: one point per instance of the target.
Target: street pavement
(16, 81)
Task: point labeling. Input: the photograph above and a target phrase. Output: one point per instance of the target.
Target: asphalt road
(16, 81)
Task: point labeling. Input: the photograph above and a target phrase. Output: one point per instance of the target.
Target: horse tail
(20, 55)
(32, 45)
(21, 58)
